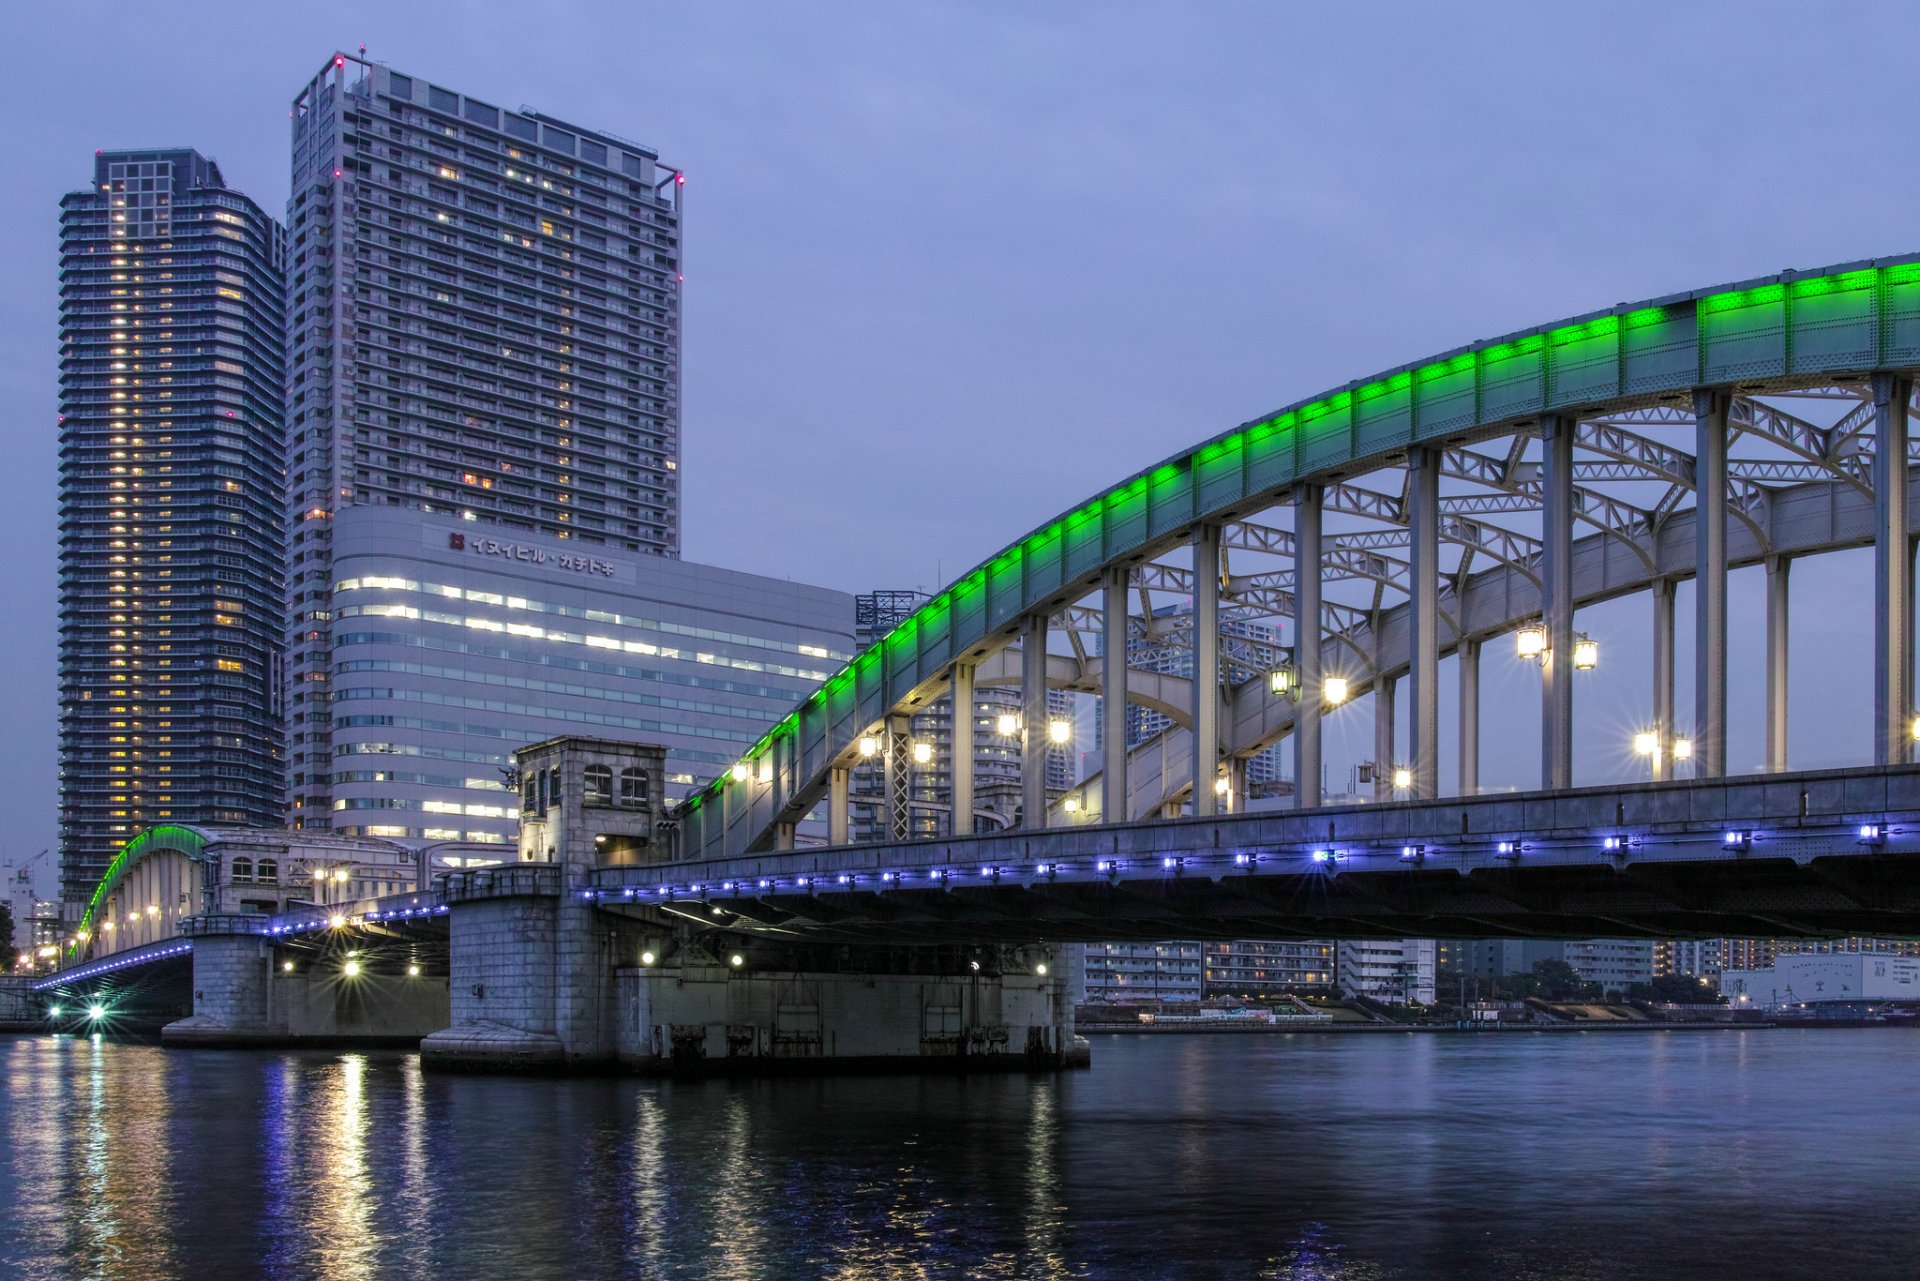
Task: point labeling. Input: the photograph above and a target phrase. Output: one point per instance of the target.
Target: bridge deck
(1824, 853)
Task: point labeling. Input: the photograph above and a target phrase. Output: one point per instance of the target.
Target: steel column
(1892, 580)
(1206, 668)
(1663, 729)
(960, 767)
(839, 786)
(1556, 603)
(1383, 738)
(1307, 501)
(1236, 768)
(1113, 697)
(1423, 612)
(1777, 567)
(897, 767)
(1710, 584)
(1033, 722)
(1469, 655)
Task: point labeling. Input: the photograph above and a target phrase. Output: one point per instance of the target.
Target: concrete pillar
(232, 983)
(1307, 503)
(1113, 697)
(1033, 708)
(1892, 581)
(1423, 631)
(1777, 567)
(839, 786)
(961, 766)
(1206, 668)
(1710, 584)
(1383, 749)
(1556, 603)
(1663, 728)
(1469, 655)
(1236, 797)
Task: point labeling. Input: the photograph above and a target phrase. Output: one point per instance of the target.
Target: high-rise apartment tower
(172, 564)
(484, 322)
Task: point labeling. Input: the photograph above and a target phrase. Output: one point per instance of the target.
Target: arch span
(1615, 377)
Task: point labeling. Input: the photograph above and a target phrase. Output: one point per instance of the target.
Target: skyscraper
(172, 564)
(485, 323)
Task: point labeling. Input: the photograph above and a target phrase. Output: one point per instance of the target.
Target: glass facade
(455, 643)
(485, 322)
(172, 564)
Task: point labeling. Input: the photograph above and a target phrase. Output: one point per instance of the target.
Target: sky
(952, 268)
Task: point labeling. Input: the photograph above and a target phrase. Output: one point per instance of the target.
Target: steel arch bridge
(1440, 504)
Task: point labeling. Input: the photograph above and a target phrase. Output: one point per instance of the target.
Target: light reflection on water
(1294, 1158)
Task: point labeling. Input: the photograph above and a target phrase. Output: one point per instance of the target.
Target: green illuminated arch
(1793, 329)
(184, 840)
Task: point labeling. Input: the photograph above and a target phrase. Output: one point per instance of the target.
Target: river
(1722, 1154)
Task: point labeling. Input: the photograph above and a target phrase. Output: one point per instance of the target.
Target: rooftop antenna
(363, 51)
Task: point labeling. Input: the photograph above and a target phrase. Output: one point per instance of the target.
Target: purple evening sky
(953, 267)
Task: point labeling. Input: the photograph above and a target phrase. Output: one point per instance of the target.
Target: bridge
(1491, 491)
(1245, 590)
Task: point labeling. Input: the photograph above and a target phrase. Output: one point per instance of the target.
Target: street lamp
(1060, 730)
(1682, 749)
(1586, 653)
(1646, 743)
(922, 753)
(1402, 778)
(869, 746)
(1530, 642)
(1333, 691)
(1284, 682)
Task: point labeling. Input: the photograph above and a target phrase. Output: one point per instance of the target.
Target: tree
(6, 930)
(1676, 989)
(1550, 980)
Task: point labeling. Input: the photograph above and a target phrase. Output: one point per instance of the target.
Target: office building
(484, 323)
(172, 563)
(456, 642)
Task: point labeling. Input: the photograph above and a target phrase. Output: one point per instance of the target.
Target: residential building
(1256, 970)
(1121, 973)
(484, 323)
(172, 563)
(1395, 971)
(455, 643)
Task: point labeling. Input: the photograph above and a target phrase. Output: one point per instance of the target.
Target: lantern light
(1007, 725)
(1682, 749)
(1586, 653)
(869, 746)
(1530, 642)
(922, 753)
(1334, 690)
(1060, 730)
(1646, 743)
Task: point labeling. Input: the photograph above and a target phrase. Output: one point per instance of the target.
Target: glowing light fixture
(740, 772)
(413, 971)
(1071, 805)
(1220, 786)
(1586, 653)
(1060, 730)
(922, 753)
(648, 958)
(96, 1012)
(1682, 749)
(1041, 969)
(1006, 725)
(1530, 642)
(736, 960)
(1284, 681)
(869, 746)
(1334, 690)
(351, 969)
(286, 967)
(1402, 778)
(336, 920)
(1646, 743)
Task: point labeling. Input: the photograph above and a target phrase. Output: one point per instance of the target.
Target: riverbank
(1250, 1028)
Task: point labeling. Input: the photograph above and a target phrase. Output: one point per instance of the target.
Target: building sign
(568, 561)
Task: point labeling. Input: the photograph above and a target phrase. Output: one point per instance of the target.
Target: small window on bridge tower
(243, 869)
(599, 785)
(268, 871)
(633, 786)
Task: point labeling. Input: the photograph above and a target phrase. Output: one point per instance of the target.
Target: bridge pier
(243, 996)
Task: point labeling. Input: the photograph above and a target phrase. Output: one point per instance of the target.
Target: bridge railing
(513, 880)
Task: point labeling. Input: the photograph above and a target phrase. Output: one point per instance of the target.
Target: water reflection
(1295, 1158)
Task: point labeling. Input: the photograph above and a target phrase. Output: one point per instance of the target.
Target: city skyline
(1208, 323)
